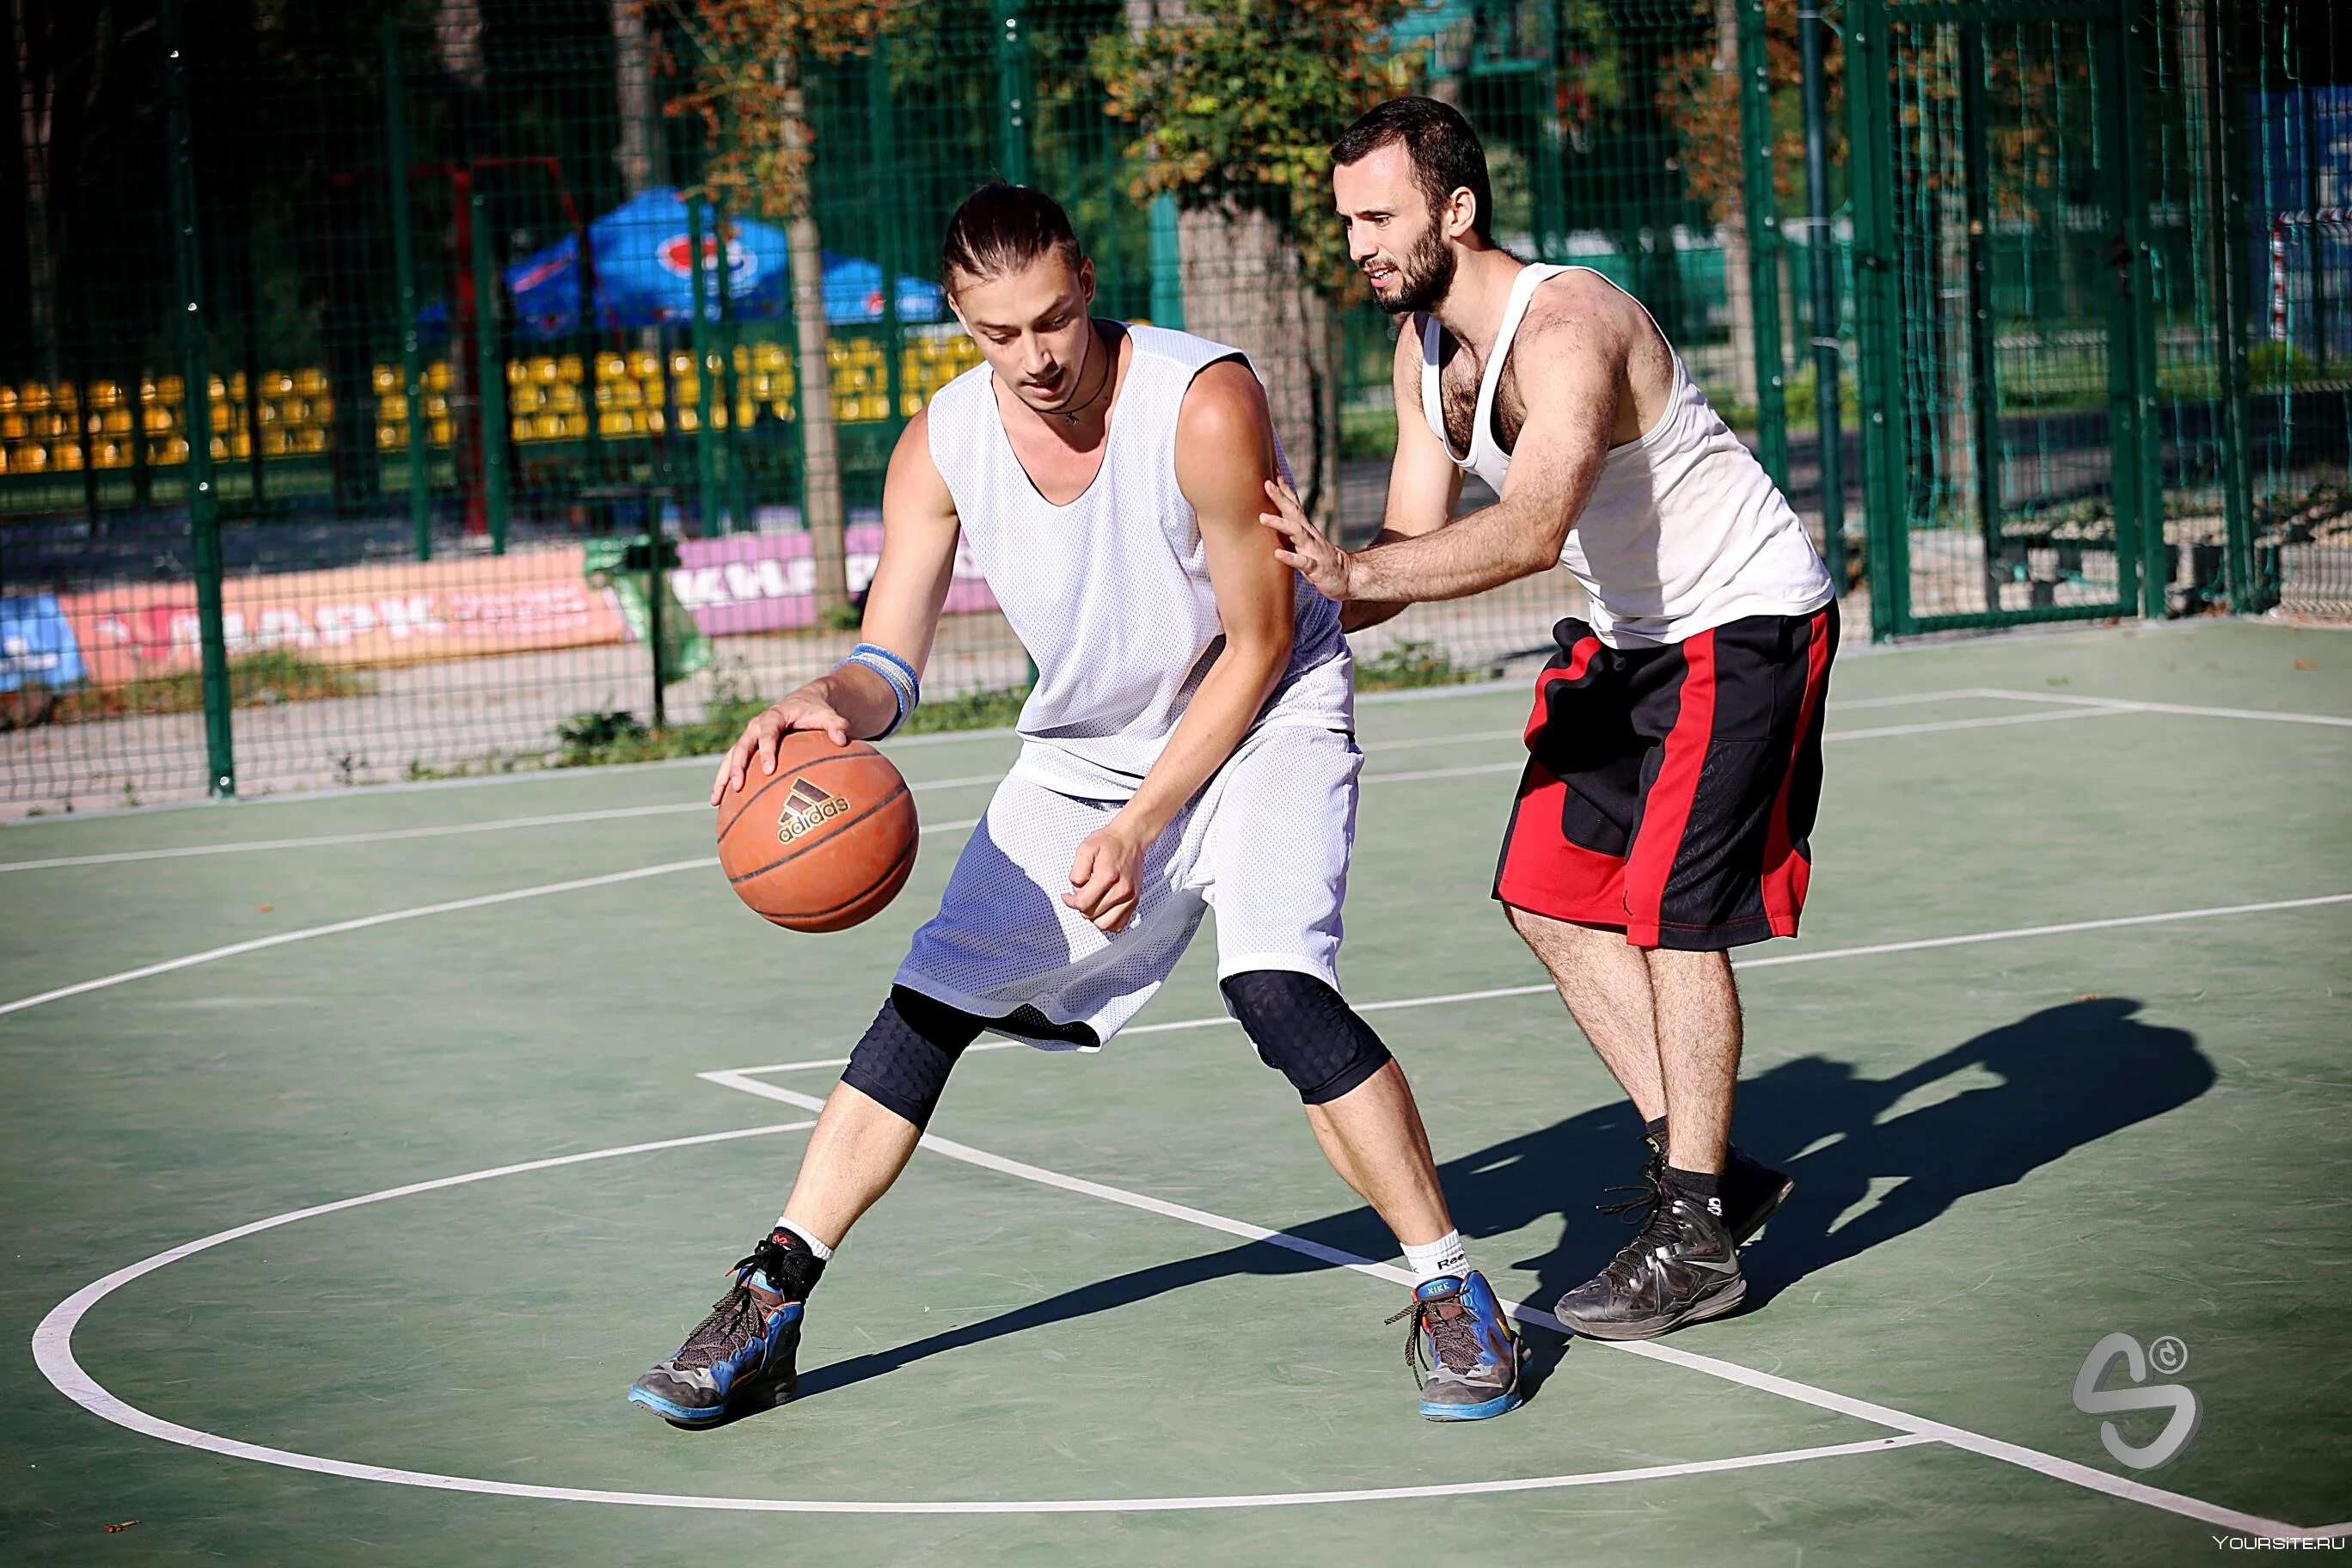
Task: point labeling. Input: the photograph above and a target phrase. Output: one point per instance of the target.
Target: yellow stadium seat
(613, 422)
(384, 379)
(436, 375)
(105, 394)
(646, 365)
(116, 421)
(782, 408)
(391, 438)
(393, 407)
(610, 367)
(12, 427)
(174, 450)
(32, 457)
(569, 368)
(690, 418)
(158, 421)
(845, 410)
(275, 443)
(7, 400)
(656, 421)
(681, 364)
(67, 456)
(276, 383)
(746, 413)
(309, 382)
(34, 398)
(909, 404)
(113, 455)
(441, 431)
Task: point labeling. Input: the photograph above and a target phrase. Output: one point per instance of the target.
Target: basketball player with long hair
(1189, 745)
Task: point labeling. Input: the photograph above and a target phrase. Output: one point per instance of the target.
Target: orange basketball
(825, 840)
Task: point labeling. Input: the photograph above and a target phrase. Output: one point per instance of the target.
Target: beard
(1422, 276)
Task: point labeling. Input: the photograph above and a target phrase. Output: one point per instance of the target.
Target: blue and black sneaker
(1471, 1352)
(740, 1358)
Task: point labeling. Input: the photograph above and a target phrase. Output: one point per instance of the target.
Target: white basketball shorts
(1265, 844)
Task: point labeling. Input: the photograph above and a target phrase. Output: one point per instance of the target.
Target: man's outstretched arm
(1570, 373)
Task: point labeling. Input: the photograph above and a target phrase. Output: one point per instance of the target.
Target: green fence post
(886, 158)
(1167, 266)
(1821, 251)
(655, 537)
(195, 368)
(1764, 251)
(1877, 317)
(402, 157)
(2250, 588)
(1012, 89)
(1984, 396)
(706, 456)
(731, 391)
(2146, 452)
(491, 369)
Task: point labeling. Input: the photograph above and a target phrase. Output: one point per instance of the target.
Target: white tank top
(1683, 531)
(1110, 594)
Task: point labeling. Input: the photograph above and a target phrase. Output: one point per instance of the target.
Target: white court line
(1886, 1415)
(234, 949)
(53, 1353)
(618, 813)
(237, 949)
(390, 835)
(1916, 944)
(2133, 705)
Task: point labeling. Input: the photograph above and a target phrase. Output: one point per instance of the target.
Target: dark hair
(1445, 153)
(1003, 228)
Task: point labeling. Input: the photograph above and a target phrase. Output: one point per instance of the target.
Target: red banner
(390, 614)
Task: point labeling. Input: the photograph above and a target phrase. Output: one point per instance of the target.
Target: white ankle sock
(823, 1252)
(1440, 1258)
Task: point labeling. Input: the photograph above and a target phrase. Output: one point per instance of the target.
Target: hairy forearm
(1490, 547)
(1219, 714)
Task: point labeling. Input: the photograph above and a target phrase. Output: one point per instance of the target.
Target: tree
(1237, 103)
(745, 86)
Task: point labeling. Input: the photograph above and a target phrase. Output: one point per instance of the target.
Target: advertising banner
(767, 582)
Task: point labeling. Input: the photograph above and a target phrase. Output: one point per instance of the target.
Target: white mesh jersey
(1110, 594)
(1684, 530)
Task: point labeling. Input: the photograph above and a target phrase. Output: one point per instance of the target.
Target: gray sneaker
(1681, 1269)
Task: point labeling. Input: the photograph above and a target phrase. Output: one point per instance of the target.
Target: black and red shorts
(1670, 792)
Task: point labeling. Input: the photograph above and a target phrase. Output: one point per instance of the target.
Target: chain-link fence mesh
(494, 383)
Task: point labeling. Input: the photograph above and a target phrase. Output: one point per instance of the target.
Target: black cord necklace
(1070, 415)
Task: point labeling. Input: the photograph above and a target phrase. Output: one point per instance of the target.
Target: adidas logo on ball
(805, 807)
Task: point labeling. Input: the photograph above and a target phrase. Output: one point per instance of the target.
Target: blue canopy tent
(645, 277)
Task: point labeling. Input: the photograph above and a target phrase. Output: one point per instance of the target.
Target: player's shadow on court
(1979, 1117)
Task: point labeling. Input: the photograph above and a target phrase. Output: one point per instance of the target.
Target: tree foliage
(740, 77)
(1237, 103)
(1698, 94)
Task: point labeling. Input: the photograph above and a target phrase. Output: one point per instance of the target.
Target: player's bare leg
(1606, 985)
(858, 1150)
(1698, 1045)
(1373, 1137)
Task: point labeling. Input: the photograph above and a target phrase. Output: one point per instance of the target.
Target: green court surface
(495, 1079)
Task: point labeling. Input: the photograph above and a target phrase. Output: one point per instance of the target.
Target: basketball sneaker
(740, 1358)
(1462, 1350)
(1684, 1267)
(1752, 1191)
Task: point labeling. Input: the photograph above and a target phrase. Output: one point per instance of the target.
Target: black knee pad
(903, 1062)
(1304, 1030)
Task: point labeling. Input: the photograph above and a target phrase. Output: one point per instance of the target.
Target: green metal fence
(417, 387)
